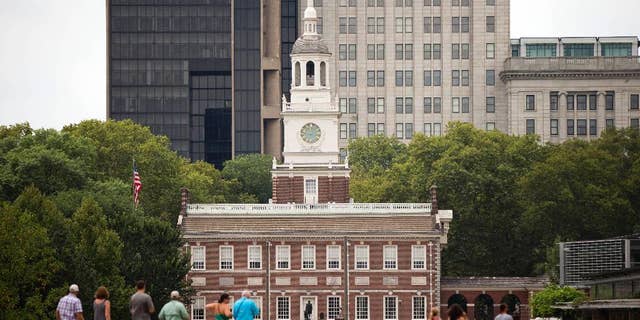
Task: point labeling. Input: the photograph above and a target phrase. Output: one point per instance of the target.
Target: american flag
(137, 184)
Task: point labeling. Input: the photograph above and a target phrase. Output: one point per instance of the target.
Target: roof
(493, 282)
(601, 305)
(310, 45)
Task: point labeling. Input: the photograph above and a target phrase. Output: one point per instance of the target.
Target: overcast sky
(52, 52)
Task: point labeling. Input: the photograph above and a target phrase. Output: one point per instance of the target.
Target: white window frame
(339, 248)
(278, 315)
(258, 302)
(251, 259)
(393, 261)
(279, 252)
(339, 306)
(193, 308)
(203, 257)
(384, 307)
(357, 315)
(414, 259)
(361, 259)
(311, 194)
(306, 259)
(424, 307)
(221, 259)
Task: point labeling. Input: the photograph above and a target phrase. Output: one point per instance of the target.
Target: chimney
(434, 199)
(184, 201)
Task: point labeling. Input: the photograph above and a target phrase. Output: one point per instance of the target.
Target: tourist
(101, 305)
(456, 313)
(221, 310)
(69, 306)
(141, 305)
(435, 314)
(503, 315)
(245, 308)
(174, 309)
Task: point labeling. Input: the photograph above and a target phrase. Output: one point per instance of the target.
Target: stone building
(311, 244)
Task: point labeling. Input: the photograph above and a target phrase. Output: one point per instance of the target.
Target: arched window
(297, 74)
(311, 72)
(323, 74)
(459, 300)
(483, 307)
(513, 302)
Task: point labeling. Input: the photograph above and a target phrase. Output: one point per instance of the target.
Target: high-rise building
(205, 73)
(407, 66)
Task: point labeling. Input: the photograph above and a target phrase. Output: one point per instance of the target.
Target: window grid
(419, 308)
(226, 258)
(390, 308)
(333, 257)
(255, 257)
(197, 309)
(308, 257)
(333, 307)
(362, 257)
(418, 257)
(283, 255)
(362, 308)
(390, 257)
(282, 308)
(198, 258)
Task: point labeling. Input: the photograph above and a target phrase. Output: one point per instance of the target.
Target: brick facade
(291, 189)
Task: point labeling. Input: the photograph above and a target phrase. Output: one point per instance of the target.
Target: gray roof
(303, 45)
(493, 282)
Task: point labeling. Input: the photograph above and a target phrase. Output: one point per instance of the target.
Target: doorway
(308, 308)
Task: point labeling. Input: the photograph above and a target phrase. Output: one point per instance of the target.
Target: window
(408, 78)
(342, 78)
(491, 77)
(282, 308)
(582, 102)
(342, 22)
(226, 257)
(399, 130)
(371, 105)
(197, 309)
(380, 78)
(541, 50)
(553, 101)
(371, 25)
(464, 78)
(634, 123)
(610, 123)
(333, 257)
(399, 52)
(353, 25)
(320, 26)
(390, 308)
(455, 24)
(371, 78)
(371, 129)
(491, 24)
(437, 78)
(531, 126)
(380, 24)
(419, 306)
(490, 126)
(427, 129)
(380, 106)
(381, 129)
(437, 105)
(426, 52)
(399, 105)
(254, 257)
(352, 52)
(342, 52)
(437, 129)
(455, 105)
(455, 78)
(308, 257)
(464, 24)
(554, 127)
(317, 3)
(610, 100)
(455, 51)
(491, 50)
(352, 79)
(578, 50)
(408, 130)
(371, 52)
(343, 131)
(283, 257)
(491, 2)
(437, 51)
(362, 308)
(333, 307)
(427, 78)
(593, 127)
(515, 50)
(593, 102)
(408, 105)
(408, 52)
(427, 24)
(342, 155)
(617, 49)
(465, 105)
(570, 127)
(353, 131)
(635, 102)
(198, 258)
(362, 257)
(491, 104)
(530, 103)
(427, 104)
(399, 24)
(258, 302)
(571, 104)
(399, 78)
(419, 254)
(465, 51)
(380, 52)
(408, 25)
(437, 25)
(582, 127)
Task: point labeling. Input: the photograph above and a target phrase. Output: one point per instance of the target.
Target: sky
(53, 59)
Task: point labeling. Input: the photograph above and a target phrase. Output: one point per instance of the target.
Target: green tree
(253, 171)
(542, 302)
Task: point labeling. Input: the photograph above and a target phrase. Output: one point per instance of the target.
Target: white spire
(310, 20)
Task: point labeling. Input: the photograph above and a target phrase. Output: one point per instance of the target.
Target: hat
(74, 288)
(175, 294)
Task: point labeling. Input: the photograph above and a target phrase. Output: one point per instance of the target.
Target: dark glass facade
(288, 35)
(170, 68)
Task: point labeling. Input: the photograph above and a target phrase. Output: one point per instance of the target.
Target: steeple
(310, 21)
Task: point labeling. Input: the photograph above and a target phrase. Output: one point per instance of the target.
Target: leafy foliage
(542, 301)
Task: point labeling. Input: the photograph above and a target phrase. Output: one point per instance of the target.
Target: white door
(310, 190)
(308, 308)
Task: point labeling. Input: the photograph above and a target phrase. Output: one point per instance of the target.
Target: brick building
(311, 247)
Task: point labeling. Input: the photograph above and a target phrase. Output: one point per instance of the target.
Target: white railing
(324, 208)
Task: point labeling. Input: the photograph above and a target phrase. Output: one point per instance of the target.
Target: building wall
(497, 295)
(291, 189)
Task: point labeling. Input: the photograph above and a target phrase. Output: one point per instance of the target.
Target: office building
(203, 73)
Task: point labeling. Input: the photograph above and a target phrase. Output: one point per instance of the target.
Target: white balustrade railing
(324, 208)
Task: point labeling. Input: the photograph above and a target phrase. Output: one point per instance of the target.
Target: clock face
(310, 133)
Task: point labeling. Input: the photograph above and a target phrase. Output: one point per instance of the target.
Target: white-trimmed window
(283, 257)
(333, 307)
(282, 308)
(390, 257)
(258, 302)
(197, 309)
(226, 257)
(418, 257)
(308, 257)
(254, 256)
(333, 257)
(198, 258)
(419, 306)
(362, 257)
(362, 308)
(390, 308)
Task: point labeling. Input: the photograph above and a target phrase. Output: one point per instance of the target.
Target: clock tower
(311, 172)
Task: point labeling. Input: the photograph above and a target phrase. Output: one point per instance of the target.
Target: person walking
(174, 309)
(504, 315)
(141, 305)
(69, 306)
(435, 314)
(245, 308)
(456, 313)
(221, 310)
(101, 305)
